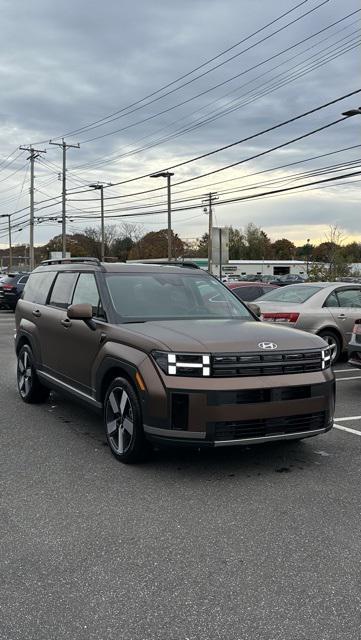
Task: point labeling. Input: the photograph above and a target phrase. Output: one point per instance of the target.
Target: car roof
(249, 283)
(119, 267)
(325, 285)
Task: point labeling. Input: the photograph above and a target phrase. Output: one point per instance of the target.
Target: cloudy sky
(145, 86)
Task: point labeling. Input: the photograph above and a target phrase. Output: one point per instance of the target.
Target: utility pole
(8, 216)
(168, 175)
(100, 186)
(34, 153)
(210, 198)
(64, 147)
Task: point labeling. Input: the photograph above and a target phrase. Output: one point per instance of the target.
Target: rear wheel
(333, 341)
(30, 388)
(123, 423)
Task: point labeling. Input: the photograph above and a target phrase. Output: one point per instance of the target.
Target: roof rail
(172, 263)
(71, 261)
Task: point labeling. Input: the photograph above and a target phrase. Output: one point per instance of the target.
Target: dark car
(249, 291)
(169, 355)
(289, 278)
(11, 288)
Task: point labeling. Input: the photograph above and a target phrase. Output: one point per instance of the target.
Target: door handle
(103, 337)
(66, 323)
(36, 313)
(342, 316)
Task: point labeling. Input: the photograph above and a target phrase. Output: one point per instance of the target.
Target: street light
(100, 186)
(352, 112)
(308, 255)
(168, 175)
(8, 216)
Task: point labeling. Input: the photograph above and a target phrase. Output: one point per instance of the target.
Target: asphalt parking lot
(257, 543)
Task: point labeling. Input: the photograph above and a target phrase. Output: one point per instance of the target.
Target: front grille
(253, 396)
(267, 364)
(263, 427)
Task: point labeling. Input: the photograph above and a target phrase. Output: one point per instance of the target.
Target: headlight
(183, 364)
(326, 358)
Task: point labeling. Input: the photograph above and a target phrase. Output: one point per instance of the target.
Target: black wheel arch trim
(108, 364)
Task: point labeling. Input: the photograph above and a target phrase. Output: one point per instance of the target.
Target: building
(258, 267)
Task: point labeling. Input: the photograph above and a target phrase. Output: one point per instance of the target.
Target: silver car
(328, 309)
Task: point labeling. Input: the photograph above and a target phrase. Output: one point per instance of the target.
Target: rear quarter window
(38, 286)
(291, 293)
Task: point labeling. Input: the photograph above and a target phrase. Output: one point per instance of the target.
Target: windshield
(158, 296)
(292, 293)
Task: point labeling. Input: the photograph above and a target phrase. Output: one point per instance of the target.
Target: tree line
(130, 242)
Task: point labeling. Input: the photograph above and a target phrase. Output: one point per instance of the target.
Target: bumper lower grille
(261, 428)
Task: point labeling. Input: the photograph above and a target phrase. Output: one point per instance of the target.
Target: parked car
(354, 347)
(11, 288)
(289, 278)
(327, 309)
(249, 291)
(165, 360)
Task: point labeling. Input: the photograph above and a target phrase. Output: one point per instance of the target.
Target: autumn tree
(155, 245)
(283, 249)
(258, 244)
(237, 244)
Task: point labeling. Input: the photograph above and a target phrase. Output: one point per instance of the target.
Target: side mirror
(82, 312)
(254, 308)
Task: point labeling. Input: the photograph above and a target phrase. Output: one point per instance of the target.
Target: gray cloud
(67, 64)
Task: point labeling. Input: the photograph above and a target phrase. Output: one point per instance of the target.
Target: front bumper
(232, 411)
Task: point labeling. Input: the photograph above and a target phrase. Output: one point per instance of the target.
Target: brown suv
(168, 353)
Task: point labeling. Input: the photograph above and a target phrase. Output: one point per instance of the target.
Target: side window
(332, 300)
(86, 292)
(23, 280)
(38, 286)
(63, 289)
(245, 293)
(350, 298)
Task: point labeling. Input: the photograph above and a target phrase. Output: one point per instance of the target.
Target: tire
(123, 423)
(334, 341)
(30, 388)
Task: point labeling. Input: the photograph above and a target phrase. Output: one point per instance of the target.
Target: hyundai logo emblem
(269, 346)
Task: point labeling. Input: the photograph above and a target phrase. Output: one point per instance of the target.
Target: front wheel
(123, 422)
(30, 388)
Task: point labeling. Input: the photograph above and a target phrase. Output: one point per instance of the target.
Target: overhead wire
(105, 119)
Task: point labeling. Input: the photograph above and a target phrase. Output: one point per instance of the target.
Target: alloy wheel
(25, 374)
(119, 420)
(333, 344)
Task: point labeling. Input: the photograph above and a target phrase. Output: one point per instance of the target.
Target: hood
(217, 336)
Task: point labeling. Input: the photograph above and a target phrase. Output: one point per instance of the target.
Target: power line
(220, 84)
(237, 142)
(186, 75)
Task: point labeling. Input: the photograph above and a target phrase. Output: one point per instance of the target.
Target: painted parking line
(354, 431)
(349, 378)
(348, 418)
(344, 370)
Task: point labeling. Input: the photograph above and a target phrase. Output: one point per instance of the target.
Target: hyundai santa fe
(168, 354)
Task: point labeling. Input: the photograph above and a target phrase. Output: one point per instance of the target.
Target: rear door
(349, 309)
(80, 345)
(72, 345)
(53, 317)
